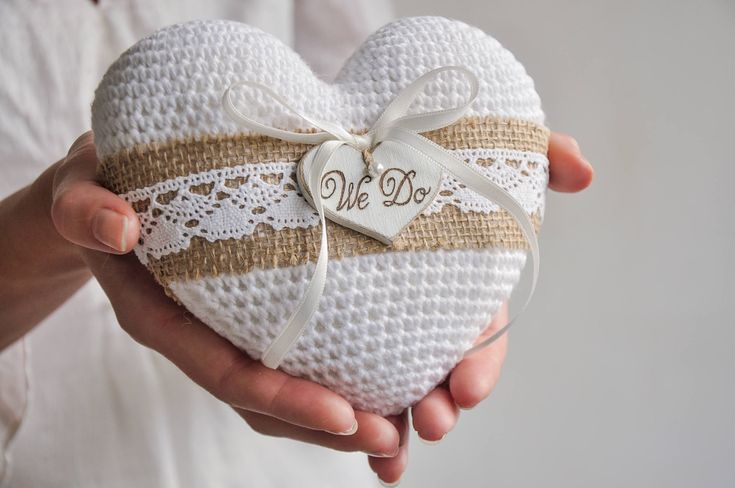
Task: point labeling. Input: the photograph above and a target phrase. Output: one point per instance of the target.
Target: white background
(621, 372)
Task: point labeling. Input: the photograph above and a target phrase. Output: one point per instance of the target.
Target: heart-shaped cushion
(228, 233)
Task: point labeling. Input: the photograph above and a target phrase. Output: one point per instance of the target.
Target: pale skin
(65, 228)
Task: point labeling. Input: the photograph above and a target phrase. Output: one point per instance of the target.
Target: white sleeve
(326, 32)
(14, 390)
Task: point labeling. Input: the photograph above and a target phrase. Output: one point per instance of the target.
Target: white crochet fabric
(390, 326)
(169, 85)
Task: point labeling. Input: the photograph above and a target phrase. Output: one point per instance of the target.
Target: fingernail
(574, 143)
(349, 431)
(427, 441)
(111, 229)
(124, 239)
(385, 483)
(386, 454)
(587, 162)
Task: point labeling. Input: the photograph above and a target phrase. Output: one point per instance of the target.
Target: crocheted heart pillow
(228, 232)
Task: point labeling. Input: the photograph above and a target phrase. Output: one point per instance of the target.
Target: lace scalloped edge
(231, 202)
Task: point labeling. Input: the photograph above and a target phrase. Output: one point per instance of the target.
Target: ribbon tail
(488, 189)
(277, 350)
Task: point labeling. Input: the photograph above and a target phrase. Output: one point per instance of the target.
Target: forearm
(39, 270)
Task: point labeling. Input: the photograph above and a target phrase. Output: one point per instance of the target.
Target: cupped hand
(474, 377)
(270, 401)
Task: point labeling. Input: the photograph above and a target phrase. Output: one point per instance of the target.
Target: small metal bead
(376, 169)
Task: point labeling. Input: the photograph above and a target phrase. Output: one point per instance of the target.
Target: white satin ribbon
(394, 124)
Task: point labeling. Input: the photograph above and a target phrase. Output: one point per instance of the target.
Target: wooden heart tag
(379, 205)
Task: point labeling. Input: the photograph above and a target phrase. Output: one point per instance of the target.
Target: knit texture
(390, 325)
(169, 86)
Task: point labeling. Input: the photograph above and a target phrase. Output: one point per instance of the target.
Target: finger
(151, 318)
(569, 171)
(389, 470)
(472, 380)
(375, 435)
(84, 212)
(435, 415)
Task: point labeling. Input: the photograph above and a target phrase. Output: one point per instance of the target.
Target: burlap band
(148, 164)
(267, 248)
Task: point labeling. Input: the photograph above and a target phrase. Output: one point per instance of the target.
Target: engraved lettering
(397, 186)
(420, 194)
(350, 195)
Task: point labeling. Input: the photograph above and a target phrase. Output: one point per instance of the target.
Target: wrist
(39, 270)
(38, 249)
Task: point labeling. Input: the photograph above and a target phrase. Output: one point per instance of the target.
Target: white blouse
(81, 403)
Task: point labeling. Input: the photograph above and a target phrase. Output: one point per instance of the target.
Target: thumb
(84, 212)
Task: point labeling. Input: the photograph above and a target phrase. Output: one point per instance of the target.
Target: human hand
(474, 377)
(270, 401)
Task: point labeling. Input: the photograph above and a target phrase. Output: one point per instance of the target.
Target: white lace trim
(231, 202)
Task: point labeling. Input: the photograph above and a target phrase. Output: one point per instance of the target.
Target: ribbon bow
(394, 124)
